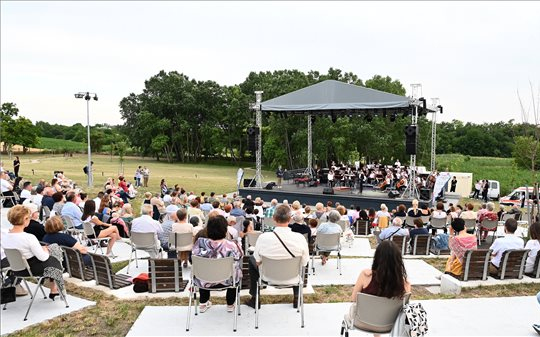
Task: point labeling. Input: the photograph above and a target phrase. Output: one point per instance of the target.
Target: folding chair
(421, 244)
(279, 274)
(327, 243)
(409, 221)
(21, 270)
(267, 224)
(373, 314)
(438, 223)
(470, 225)
(46, 213)
(70, 226)
(90, 234)
(488, 225)
(344, 224)
(213, 271)
(251, 240)
(143, 241)
(425, 219)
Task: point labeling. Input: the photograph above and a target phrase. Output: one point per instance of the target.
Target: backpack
(411, 322)
(440, 241)
(85, 170)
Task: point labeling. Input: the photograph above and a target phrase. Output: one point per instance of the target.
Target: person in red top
(122, 184)
(488, 214)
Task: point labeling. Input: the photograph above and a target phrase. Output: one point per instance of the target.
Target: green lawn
(60, 144)
(192, 177)
(502, 169)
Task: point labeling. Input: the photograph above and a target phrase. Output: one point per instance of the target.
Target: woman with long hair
(102, 229)
(460, 241)
(386, 278)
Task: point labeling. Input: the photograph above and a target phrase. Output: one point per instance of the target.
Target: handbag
(410, 322)
(8, 292)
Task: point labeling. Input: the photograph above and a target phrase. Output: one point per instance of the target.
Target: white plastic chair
(489, 225)
(143, 241)
(213, 271)
(88, 229)
(284, 273)
(21, 270)
(373, 314)
(251, 240)
(180, 242)
(327, 243)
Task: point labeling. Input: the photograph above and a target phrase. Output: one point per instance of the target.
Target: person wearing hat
(34, 227)
(167, 227)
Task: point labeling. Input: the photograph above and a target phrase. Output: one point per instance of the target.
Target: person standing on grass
(138, 176)
(16, 166)
(145, 175)
(453, 185)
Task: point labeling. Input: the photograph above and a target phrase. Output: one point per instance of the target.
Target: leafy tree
(8, 112)
(25, 133)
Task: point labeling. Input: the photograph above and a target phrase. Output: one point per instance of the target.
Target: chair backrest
(88, 229)
(328, 241)
(251, 238)
(507, 216)
(281, 272)
(74, 263)
(409, 221)
(490, 224)
(67, 221)
(143, 240)
(470, 224)
(421, 244)
(180, 241)
(343, 224)
(476, 264)
(16, 261)
(362, 227)
(513, 263)
(239, 226)
(425, 218)
(165, 275)
(438, 223)
(46, 211)
(377, 314)
(401, 242)
(213, 270)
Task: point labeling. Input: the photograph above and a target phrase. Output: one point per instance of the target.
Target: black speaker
(270, 185)
(328, 190)
(393, 194)
(425, 194)
(250, 183)
(411, 139)
(253, 139)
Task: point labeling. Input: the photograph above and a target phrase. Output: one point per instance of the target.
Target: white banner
(441, 180)
(239, 175)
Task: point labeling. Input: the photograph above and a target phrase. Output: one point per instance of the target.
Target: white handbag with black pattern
(411, 322)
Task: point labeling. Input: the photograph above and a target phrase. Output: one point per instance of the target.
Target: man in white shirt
(97, 199)
(233, 232)
(269, 245)
(26, 192)
(509, 241)
(145, 224)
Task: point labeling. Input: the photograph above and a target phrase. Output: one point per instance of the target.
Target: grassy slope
(60, 144)
(501, 169)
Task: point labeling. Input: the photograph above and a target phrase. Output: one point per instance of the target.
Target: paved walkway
(512, 316)
(11, 319)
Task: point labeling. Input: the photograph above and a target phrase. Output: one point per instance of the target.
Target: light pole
(87, 96)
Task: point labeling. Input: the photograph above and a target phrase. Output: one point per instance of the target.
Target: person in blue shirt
(72, 211)
(419, 229)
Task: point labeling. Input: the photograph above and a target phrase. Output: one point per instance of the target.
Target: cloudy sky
(472, 56)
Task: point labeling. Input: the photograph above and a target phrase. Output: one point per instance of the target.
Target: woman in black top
(53, 228)
(16, 166)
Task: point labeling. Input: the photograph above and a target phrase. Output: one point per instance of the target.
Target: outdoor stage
(311, 195)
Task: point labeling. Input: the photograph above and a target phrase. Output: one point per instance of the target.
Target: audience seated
(53, 228)
(58, 198)
(146, 224)
(183, 226)
(272, 245)
(419, 229)
(382, 217)
(329, 227)
(215, 247)
(72, 211)
(414, 211)
(299, 226)
(167, 226)
(509, 241)
(401, 211)
(394, 230)
(460, 241)
(101, 229)
(488, 214)
(34, 226)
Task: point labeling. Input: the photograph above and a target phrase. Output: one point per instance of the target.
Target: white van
(494, 191)
(515, 197)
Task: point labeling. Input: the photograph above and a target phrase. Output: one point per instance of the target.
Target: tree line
(176, 118)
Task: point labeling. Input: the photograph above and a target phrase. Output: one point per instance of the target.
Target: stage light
(95, 97)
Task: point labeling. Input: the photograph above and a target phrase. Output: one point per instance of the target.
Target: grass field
(502, 169)
(192, 177)
(60, 144)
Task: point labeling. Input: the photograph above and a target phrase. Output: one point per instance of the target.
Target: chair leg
(339, 262)
(189, 307)
(33, 298)
(301, 302)
(130, 259)
(136, 259)
(236, 311)
(257, 304)
(62, 295)
(238, 297)
(27, 287)
(313, 262)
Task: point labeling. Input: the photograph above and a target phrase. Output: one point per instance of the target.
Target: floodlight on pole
(87, 96)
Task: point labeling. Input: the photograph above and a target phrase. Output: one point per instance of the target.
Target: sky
(473, 56)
